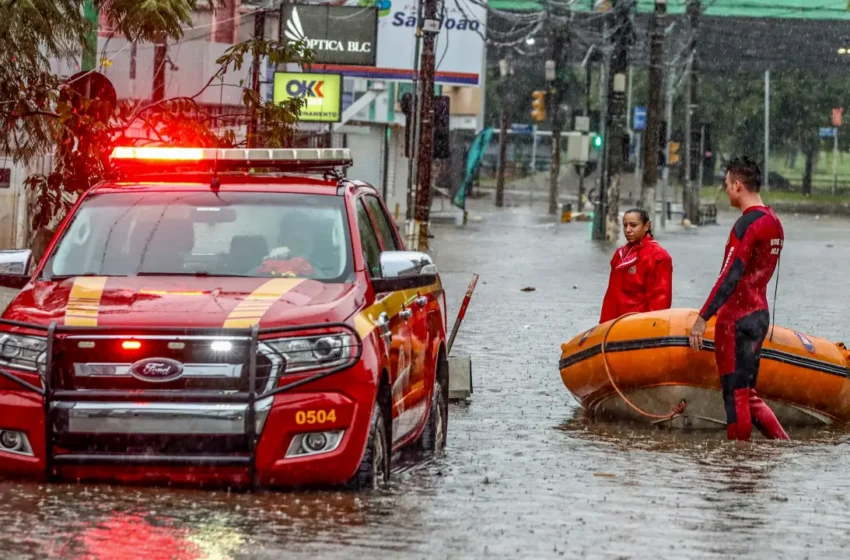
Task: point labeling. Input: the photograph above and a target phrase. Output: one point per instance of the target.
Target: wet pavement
(525, 475)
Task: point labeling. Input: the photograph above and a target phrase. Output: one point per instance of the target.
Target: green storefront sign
(322, 94)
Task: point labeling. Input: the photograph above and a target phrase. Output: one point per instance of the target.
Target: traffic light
(662, 144)
(442, 147)
(406, 102)
(673, 153)
(597, 141)
(538, 105)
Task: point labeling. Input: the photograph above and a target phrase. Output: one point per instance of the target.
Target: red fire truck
(223, 317)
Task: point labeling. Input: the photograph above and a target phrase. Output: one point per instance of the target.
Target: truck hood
(183, 302)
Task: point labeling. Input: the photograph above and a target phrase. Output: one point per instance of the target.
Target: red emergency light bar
(147, 158)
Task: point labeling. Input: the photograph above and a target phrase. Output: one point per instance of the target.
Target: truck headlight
(23, 352)
(315, 352)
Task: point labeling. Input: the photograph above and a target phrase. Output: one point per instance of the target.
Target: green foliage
(40, 113)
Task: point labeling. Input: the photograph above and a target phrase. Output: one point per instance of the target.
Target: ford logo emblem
(156, 370)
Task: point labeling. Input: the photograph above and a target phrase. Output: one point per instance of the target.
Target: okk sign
(460, 43)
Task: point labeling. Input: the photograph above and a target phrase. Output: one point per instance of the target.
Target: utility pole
(766, 185)
(504, 71)
(430, 28)
(653, 110)
(557, 85)
(616, 116)
(159, 54)
(600, 207)
(259, 33)
(692, 115)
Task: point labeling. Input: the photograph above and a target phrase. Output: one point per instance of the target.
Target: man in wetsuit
(739, 299)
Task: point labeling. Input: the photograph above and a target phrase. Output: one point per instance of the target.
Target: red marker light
(131, 345)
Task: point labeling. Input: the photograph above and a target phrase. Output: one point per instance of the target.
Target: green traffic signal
(597, 141)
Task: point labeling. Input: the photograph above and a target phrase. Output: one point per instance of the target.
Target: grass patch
(709, 193)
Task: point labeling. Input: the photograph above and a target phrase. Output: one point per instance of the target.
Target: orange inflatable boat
(651, 367)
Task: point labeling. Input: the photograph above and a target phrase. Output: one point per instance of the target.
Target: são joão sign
(335, 34)
(322, 94)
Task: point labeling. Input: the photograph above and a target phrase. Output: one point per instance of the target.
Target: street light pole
(504, 70)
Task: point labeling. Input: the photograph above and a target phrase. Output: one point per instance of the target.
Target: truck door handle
(384, 323)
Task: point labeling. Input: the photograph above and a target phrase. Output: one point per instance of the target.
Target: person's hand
(696, 334)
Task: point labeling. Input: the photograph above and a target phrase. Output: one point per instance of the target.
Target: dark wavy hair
(746, 171)
(644, 217)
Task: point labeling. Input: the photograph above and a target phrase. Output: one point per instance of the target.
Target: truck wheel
(433, 439)
(374, 469)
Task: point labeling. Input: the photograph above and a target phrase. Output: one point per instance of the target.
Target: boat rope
(677, 410)
(775, 291)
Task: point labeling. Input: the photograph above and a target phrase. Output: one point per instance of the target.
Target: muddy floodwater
(525, 475)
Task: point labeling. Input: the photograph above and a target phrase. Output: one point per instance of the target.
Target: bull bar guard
(53, 398)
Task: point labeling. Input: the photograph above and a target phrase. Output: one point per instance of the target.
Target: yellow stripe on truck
(84, 301)
(252, 308)
(367, 320)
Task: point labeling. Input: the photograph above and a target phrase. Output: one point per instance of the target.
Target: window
(371, 247)
(385, 229)
(187, 233)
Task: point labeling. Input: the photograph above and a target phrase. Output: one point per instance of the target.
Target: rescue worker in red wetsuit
(641, 271)
(739, 299)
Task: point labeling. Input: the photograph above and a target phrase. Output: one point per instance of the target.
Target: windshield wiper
(197, 274)
(53, 277)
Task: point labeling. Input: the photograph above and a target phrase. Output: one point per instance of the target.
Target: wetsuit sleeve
(738, 254)
(660, 285)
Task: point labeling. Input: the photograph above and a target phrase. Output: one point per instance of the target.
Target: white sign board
(460, 43)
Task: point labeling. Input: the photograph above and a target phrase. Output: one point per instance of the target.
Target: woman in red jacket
(641, 271)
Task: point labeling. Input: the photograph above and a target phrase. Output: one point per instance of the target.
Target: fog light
(313, 443)
(14, 442)
(11, 441)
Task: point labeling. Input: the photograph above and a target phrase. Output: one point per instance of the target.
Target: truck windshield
(205, 233)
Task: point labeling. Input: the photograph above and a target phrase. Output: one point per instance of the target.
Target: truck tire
(374, 468)
(433, 438)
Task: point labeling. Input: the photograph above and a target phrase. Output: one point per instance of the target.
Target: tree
(801, 103)
(42, 113)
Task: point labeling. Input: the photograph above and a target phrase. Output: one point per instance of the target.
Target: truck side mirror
(14, 268)
(403, 270)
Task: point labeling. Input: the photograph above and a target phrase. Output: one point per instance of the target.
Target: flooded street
(525, 474)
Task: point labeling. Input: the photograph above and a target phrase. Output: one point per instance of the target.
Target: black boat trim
(708, 345)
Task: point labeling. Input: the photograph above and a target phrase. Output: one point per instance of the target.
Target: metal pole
(666, 171)
(639, 170)
(766, 185)
(701, 159)
(694, 10)
(686, 191)
(834, 161)
(534, 149)
(503, 135)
